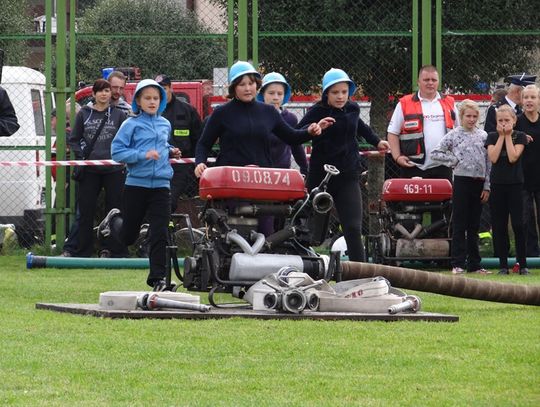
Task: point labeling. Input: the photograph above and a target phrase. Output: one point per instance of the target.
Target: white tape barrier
(107, 163)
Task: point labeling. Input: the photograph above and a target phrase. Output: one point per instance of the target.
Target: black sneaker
(104, 228)
(524, 271)
(159, 285)
(503, 271)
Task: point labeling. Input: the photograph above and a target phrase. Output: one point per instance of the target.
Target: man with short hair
(8, 119)
(419, 122)
(118, 82)
(512, 98)
(186, 129)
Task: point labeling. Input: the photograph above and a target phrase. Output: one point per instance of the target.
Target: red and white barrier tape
(79, 163)
(108, 163)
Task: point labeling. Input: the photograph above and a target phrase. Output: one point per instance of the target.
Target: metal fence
(379, 43)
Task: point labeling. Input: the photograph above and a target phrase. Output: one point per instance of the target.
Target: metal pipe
(153, 302)
(446, 285)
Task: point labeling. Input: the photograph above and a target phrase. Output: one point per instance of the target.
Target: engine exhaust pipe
(446, 285)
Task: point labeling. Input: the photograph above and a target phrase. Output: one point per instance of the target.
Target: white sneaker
(458, 270)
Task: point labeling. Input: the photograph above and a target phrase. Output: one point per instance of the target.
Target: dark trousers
(531, 219)
(154, 206)
(89, 189)
(345, 191)
(439, 172)
(507, 200)
(466, 209)
(183, 183)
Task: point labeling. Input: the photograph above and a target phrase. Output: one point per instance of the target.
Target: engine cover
(416, 190)
(253, 183)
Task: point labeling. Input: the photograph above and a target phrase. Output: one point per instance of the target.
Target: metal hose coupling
(410, 303)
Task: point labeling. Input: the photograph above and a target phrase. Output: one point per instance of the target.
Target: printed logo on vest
(411, 124)
(181, 133)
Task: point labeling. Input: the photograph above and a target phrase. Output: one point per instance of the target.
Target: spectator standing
(463, 150)
(8, 119)
(419, 123)
(186, 128)
(90, 139)
(505, 148)
(338, 146)
(276, 91)
(512, 98)
(117, 80)
(529, 123)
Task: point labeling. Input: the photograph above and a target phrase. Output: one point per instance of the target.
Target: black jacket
(8, 118)
(185, 126)
(338, 144)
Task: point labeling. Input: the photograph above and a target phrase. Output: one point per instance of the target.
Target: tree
(13, 20)
(157, 51)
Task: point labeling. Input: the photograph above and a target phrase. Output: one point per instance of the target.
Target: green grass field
(491, 357)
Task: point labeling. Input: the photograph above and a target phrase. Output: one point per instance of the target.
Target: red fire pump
(230, 253)
(413, 217)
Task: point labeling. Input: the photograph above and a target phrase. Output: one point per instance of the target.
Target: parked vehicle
(23, 187)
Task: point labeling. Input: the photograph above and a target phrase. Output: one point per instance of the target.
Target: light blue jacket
(135, 137)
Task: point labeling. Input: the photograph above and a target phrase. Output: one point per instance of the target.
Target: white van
(22, 189)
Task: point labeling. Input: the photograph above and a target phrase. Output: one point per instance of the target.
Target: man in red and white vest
(419, 122)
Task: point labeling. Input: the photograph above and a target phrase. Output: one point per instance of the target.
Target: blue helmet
(240, 68)
(334, 76)
(274, 77)
(143, 84)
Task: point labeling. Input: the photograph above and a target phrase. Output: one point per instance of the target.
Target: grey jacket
(465, 153)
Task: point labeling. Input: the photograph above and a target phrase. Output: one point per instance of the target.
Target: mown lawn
(491, 357)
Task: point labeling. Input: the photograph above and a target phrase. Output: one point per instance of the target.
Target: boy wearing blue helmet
(338, 146)
(142, 143)
(276, 91)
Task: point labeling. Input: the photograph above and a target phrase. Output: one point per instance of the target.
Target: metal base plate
(220, 313)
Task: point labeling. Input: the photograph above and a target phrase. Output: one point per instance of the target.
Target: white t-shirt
(434, 127)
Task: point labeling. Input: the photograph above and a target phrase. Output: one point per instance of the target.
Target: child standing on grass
(505, 147)
(338, 146)
(463, 150)
(142, 144)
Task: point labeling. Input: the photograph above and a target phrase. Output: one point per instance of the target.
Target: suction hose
(455, 286)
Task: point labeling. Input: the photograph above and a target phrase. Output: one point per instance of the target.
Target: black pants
(466, 209)
(345, 191)
(154, 206)
(183, 183)
(439, 172)
(507, 200)
(88, 192)
(531, 219)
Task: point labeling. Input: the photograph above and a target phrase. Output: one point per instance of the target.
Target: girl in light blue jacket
(142, 143)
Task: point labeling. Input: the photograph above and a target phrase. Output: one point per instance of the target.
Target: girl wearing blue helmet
(338, 146)
(244, 126)
(276, 91)
(142, 143)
